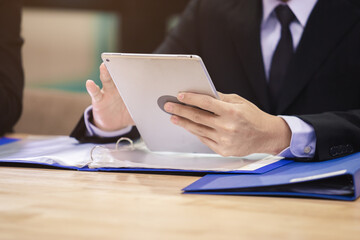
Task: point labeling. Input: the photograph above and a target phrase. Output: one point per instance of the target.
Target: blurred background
(63, 43)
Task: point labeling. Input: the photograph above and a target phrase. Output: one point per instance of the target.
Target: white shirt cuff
(92, 130)
(303, 139)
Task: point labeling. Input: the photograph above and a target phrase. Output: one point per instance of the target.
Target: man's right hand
(109, 110)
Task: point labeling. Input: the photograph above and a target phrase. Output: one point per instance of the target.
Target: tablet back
(146, 82)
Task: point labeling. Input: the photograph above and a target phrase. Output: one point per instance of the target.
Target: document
(62, 151)
(66, 152)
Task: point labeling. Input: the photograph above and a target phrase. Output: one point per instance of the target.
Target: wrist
(109, 122)
(280, 135)
(109, 126)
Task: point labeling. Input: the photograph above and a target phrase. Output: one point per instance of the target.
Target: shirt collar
(301, 8)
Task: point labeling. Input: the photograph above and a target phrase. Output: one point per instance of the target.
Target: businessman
(288, 73)
(11, 72)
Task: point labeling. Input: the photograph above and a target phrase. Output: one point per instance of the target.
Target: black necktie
(283, 53)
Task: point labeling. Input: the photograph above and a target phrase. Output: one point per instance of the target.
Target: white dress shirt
(303, 139)
(271, 28)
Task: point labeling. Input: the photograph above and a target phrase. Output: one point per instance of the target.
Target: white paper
(141, 157)
(68, 152)
(61, 150)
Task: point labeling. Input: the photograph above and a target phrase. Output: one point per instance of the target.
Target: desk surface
(66, 204)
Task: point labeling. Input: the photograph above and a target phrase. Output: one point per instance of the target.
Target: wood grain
(64, 204)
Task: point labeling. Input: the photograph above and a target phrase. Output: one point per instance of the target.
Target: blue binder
(333, 179)
(5, 140)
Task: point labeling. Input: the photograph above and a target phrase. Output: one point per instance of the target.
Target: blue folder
(5, 140)
(333, 179)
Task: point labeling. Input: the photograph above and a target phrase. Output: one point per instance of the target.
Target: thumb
(106, 80)
(94, 91)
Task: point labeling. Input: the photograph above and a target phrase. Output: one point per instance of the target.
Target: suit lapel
(327, 25)
(244, 24)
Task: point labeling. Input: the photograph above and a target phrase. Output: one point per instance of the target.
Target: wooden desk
(64, 204)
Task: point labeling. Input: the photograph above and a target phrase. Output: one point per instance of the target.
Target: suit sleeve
(182, 39)
(80, 133)
(337, 133)
(11, 72)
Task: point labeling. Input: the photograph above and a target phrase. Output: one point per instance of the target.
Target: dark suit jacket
(11, 72)
(322, 85)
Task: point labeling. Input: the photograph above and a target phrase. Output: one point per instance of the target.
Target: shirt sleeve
(92, 130)
(303, 139)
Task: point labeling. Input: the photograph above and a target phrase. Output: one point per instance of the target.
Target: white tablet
(146, 82)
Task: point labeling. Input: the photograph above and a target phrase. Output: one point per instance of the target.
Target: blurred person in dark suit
(11, 71)
(288, 72)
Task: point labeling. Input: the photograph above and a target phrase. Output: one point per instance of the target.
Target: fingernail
(180, 96)
(174, 120)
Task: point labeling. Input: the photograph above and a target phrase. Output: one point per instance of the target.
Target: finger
(194, 114)
(194, 128)
(221, 95)
(106, 79)
(231, 98)
(202, 101)
(216, 147)
(210, 143)
(94, 91)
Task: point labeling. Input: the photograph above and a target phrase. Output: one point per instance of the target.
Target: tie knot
(285, 15)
